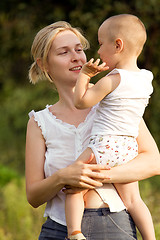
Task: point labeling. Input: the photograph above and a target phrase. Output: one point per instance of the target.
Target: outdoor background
(19, 22)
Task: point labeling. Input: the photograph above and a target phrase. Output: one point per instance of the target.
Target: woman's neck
(66, 97)
(65, 110)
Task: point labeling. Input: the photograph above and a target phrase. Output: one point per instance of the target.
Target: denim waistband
(96, 211)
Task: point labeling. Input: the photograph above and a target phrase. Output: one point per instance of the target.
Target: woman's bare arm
(145, 165)
(36, 184)
(40, 189)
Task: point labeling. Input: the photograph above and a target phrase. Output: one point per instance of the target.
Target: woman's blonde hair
(42, 44)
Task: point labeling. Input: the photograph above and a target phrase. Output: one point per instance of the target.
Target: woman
(58, 134)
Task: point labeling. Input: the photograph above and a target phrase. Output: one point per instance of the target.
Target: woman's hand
(71, 190)
(83, 175)
(145, 165)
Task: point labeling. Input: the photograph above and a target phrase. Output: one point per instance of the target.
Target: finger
(102, 64)
(90, 158)
(103, 67)
(85, 180)
(86, 183)
(73, 190)
(67, 186)
(96, 62)
(98, 176)
(68, 191)
(96, 173)
(97, 167)
(90, 61)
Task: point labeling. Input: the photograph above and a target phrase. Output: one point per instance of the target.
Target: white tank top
(120, 112)
(64, 144)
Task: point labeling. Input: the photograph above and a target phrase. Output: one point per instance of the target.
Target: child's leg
(130, 195)
(74, 209)
(87, 156)
(74, 205)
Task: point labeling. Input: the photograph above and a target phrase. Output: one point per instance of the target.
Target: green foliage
(18, 220)
(151, 196)
(17, 102)
(19, 22)
(7, 174)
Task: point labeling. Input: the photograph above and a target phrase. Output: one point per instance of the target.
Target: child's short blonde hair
(42, 44)
(128, 27)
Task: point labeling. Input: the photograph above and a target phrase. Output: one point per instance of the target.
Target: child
(123, 95)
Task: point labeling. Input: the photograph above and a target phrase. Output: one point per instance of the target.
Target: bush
(7, 174)
(18, 220)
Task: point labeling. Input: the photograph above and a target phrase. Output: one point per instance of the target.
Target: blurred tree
(19, 22)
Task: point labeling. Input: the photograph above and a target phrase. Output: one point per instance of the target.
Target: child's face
(107, 50)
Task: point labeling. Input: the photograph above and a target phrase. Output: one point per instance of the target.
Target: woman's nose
(75, 56)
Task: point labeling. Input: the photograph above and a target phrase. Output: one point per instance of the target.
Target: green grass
(18, 220)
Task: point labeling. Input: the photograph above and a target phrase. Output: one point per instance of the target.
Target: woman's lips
(77, 68)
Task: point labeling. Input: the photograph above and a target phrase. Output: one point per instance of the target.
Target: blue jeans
(97, 224)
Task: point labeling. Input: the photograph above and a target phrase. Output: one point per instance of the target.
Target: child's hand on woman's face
(92, 68)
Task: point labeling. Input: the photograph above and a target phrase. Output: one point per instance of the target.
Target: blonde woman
(57, 135)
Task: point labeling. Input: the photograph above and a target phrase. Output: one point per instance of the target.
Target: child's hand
(92, 68)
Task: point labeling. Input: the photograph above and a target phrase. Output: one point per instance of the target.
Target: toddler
(122, 96)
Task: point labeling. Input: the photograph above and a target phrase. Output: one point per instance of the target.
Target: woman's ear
(119, 45)
(40, 64)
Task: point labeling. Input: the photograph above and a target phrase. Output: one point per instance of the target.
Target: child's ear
(119, 45)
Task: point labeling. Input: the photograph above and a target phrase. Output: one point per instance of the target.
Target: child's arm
(86, 96)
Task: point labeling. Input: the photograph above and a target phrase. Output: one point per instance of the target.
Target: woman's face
(66, 58)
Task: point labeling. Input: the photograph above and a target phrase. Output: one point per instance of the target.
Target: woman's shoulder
(42, 112)
(33, 128)
(38, 119)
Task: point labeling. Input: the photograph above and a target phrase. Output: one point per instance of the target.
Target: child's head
(42, 44)
(126, 30)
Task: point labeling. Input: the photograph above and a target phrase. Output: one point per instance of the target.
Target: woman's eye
(61, 53)
(79, 50)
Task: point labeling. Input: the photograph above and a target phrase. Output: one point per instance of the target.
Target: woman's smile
(66, 57)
